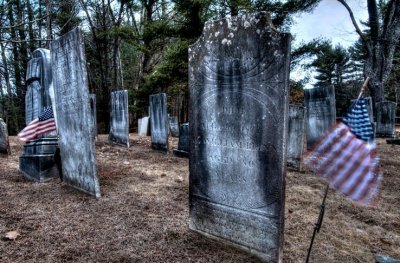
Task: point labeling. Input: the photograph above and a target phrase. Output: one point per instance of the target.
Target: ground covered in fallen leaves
(142, 215)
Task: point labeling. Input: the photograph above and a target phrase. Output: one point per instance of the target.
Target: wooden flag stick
(363, 88)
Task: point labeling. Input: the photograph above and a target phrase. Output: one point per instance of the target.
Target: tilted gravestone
(143, 126)
(174, 126)
(119, 119)
(159, 123)
(75, 124)
(4, 142)
(296, 136)
(183, 143)
(386, 119)
(37, 162)
(93, 113)
(238, 83)
(321, 112)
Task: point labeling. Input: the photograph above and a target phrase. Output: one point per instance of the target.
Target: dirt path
(142, 215)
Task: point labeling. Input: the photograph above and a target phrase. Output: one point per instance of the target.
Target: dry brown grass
(143, 214)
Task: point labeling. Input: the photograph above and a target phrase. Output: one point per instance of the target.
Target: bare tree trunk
(11, 114)
(49, 30)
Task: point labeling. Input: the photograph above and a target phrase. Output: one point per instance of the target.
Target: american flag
(359, 122)
(349, 164)
(44, 123)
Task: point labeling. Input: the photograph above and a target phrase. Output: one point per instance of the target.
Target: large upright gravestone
(159, 123)
(321, 112)
(37, 161)
(75, 124)
(4, 142)
(238, 82)
(386, 119)
(119, 119)
(296, 136)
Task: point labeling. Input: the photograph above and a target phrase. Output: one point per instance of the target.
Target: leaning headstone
(386, 119)
(143, 126)
(93, 113)
(37, 161)
(296, 136)
(119, 119)
(321, 112)
(238, 83)
(183, 143)
(74, 120)
(159, 123)
(174, 126)
(4, 142)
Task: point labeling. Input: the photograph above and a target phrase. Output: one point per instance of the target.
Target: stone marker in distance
(119, 119)
(296, 136)
(159, 123)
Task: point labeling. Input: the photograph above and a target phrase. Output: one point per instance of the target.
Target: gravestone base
(180, 153)
(37, 163)
(393, 141)
(159, 147)
(295, 164)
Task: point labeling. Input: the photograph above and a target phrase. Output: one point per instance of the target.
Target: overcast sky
(331, 21)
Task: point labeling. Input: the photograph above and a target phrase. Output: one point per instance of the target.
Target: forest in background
(142, 46)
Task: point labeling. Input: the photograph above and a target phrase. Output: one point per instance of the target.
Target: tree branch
(353, 20)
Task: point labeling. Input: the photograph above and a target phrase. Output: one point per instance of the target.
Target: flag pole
(318, 225)
(362, 88)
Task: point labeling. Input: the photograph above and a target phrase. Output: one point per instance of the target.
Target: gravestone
(93, 113)
(143, 126)
(174, 126)
(321, 112)
(183, 143)
(238, 84)
(4, 142)
(386, 119)
(119, 119)
(296, 136)
(159, 123)
(37, 162)
(74, 120)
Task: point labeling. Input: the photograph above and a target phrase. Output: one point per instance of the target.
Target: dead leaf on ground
(12, 235)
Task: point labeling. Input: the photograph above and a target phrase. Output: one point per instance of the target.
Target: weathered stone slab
(321, 112)
(119, 119)
(238, 83)
(93, 113)
(296, 136)
(143, 126)
(386, 119)
(75, 124)
(4, 142)
(159, 123)
(39, 91)
(183, 143)
(174, 126)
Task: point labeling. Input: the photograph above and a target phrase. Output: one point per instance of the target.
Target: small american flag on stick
(44, 123)
(346, 157)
